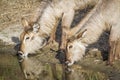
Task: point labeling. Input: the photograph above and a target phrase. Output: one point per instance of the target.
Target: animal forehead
(24, 34)
(71, 39)
(30, 33)
(70, 44)
(28, 29)
(75, 43)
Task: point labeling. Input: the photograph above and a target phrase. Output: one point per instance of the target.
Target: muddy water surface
(44, 66)
(9, 66)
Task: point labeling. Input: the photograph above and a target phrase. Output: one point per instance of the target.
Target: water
(9, 66)
(34, 69)
(44, 66)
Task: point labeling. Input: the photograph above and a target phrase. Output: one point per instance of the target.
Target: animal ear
(81, 34)
(24, 22)
(36, 27)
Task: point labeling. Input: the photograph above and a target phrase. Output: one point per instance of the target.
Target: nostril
(67, 62)
(20, 53)
(43, 42)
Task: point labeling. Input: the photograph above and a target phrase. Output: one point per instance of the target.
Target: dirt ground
(11, 12)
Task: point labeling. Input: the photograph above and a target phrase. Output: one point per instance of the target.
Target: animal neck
(38, 12)
(82, 4)
(77, 28)
(95, 29)
(49, 19)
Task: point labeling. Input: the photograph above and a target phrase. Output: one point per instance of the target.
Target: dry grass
(11, 11)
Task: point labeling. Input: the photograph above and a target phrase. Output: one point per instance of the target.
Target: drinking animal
(106, 18)
(36, 34)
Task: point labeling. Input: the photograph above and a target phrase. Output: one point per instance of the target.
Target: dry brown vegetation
(11, 11)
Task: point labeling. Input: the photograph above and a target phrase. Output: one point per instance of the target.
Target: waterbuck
(36, 35)
(106, 18)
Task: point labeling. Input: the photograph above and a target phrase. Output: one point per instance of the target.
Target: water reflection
(34, 69)
(31, 67)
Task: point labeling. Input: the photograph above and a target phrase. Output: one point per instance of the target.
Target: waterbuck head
(31, 39)
(75, 48)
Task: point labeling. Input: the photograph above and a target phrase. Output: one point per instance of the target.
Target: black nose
(61, 56)
(19, 53)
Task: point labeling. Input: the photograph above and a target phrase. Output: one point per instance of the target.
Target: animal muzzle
(20, 56)
(20, 53)
(61, 56)
(69, 62)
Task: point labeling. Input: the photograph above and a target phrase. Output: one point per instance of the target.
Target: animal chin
(69, 63)
(20, 54)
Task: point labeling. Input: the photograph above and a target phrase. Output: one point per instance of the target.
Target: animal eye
(27, 38)
(70, 46)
